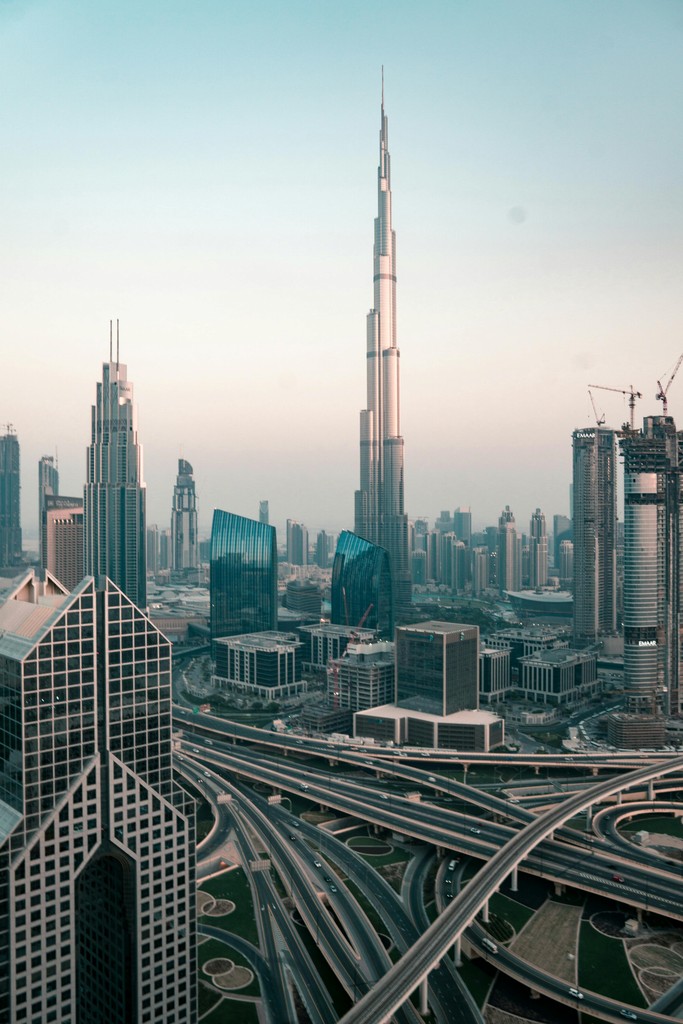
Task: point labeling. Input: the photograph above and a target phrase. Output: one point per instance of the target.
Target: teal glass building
(361, 585)
(243, 575)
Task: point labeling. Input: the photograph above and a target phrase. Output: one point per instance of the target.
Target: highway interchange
(403, 794)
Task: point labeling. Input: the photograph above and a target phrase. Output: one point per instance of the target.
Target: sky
(206, 173)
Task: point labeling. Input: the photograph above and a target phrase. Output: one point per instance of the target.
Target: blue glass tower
(243, 575)
(361, 585)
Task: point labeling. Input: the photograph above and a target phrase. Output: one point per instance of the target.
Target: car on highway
(629, 1013)
(475, 831)
(317, 864)
(208, 774)
(617, 878)
(328, 878)
(384, 796)
(333, 888)
(292, 836)
(575, 992)
(430, 778)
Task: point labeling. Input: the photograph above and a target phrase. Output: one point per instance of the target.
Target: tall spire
(380, 516)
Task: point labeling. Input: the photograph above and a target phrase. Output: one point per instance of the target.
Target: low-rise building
(479, 731)
(363, 677)
(325, 641)
(558, 676)
(265, 665)
(494, 675)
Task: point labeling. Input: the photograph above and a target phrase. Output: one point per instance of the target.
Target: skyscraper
(509, 553)
(114, 494)
(462, 524)
(97, 907)
(361, 590)
(10, 491)
(437, 667)
(263, 512)
(538, 550)
(184, 519)
(297, 543)
(61, 532)
(379, 504)
(595, 533)
(653, 596)
(243, 575)
(48, 486)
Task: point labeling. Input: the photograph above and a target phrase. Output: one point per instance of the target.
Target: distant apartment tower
(566, 566)
(184, 519)
(562, 530)
(263, 512)
(153, 549)
(114, 494)
(538, 551)
(97, 847)
(322, 550)
(297, 543)
(437, 667)
(480, 570)
(595, 533)
(242, 575)
(48, 486)
(61, 531)
(509, 553)
(462, 524)
(653, 530)
(10, 492)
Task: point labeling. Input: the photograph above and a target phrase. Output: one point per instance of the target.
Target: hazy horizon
(208, 176)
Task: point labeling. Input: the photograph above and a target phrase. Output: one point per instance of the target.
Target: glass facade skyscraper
(595, 533)
(361, 585)
(10, 491)
(437, 667)
(243, 575)
(97, 878)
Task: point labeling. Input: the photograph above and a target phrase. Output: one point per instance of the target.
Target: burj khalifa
(379, 506)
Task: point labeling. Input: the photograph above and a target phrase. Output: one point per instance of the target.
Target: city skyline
(540, 221)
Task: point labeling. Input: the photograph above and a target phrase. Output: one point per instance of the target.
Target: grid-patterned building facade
(97, 903)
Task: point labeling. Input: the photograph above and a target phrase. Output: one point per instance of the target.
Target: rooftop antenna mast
(662, 392)
(117, 343)
(110, 340)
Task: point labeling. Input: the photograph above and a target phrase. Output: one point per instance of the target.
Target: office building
(266, 665)
(243, 575)
(594, 533)
(48, 486)
(184, 519)
(495, 683)
(462, 524)
(478, 730)
(361, 589)
(558, 676)
(325, 641)
(10, 493)
(566, 565)
(363, 678)
(97, 916)
(538, 551)
(297, 543)
(61, 531)
(379, 502)
(524, 641)
(304, 596)
(437, 667)
(509, 553)
(153, 549)
(562, 530)
(652, 567)
(263, 512)
(322, 550)
(114, 493)
(480, 570)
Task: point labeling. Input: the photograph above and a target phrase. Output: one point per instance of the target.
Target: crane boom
(599, 420)
(661, 392)
(632, 395)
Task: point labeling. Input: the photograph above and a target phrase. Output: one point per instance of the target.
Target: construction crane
(632, 395)
(599, 420)
(661, 392)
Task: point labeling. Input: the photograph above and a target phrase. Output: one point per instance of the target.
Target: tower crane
(661, 392)
(599, 420)
(632, 395)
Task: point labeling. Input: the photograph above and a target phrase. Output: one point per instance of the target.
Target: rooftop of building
(333, 629)
(530, 633)
(376, 653)
(437, 626)
(557, 656)
(268, 640)
(474, 717)
(551, 597)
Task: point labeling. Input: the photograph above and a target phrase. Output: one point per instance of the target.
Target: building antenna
(382, 86)
(110, 341)
(117, 343)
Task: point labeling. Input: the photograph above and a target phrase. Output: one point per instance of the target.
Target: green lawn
(214, 948)
(510, 910)
(604, 967)
(478, 976)
(233, 885)
(232, 1011)
(664, 826)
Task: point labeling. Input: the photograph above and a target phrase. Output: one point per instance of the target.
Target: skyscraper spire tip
(382, 86)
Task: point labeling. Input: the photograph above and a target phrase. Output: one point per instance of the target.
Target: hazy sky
(206, 172)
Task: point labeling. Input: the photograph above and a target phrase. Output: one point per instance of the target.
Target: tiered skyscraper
(538, 550)
(184, 518)
(114, 494)
(509, 555)
(48, 486)
(595, 533)
(10, 491)
(97, 887)
(379, 505)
